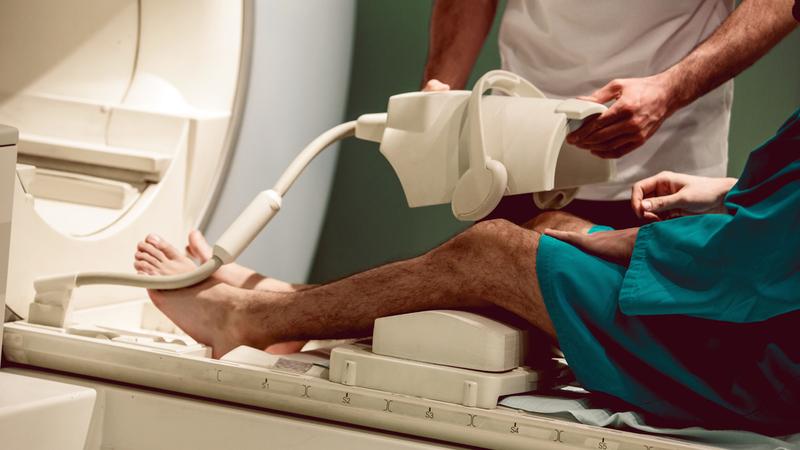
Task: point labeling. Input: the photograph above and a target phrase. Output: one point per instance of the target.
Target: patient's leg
(491, 263)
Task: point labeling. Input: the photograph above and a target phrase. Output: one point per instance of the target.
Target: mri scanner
(120, 116)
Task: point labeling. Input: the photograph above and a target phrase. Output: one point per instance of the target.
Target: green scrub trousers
(703, 327)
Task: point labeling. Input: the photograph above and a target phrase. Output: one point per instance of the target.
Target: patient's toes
(148, 248)
(165, 247)
(198, 246)
(146, 257)
(161, 257)
(144, 267)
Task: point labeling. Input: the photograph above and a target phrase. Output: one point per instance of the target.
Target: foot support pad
(52, 301)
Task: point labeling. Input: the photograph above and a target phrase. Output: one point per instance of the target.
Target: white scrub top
(573, 47)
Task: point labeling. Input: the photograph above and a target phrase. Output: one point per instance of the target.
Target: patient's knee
(484, 240)
(489, 232)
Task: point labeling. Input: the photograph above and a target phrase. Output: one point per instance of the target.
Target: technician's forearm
(751, 31)
(457, 32)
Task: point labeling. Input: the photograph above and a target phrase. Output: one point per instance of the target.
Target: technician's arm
(644, 103)
(458, 30)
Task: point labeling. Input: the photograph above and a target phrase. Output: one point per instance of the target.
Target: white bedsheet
(578, 409)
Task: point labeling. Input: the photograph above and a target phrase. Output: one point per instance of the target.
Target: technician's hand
(641, 106)
(434, 85)
(668, 195)
(614, 246)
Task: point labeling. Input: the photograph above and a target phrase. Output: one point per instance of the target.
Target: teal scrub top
(739, 267)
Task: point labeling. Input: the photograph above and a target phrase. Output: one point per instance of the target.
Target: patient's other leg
(559, 220)
(491, 263)
(239, 276)
(155, 256)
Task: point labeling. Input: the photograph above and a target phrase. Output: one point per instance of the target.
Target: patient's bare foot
(213, 313)
(286, 348)
(239, 276)
(155, 256)
(198, 247)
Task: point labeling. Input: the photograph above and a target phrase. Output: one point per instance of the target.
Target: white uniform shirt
(573, 47)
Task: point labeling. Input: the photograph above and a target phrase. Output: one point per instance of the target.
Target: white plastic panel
(8, 157)
(451, 338)
(8, 135)
(356, 365)
(76, 188)
(77, 48)
(188, 64)
(56, 117)
(173, 421)
(188, 55)
(39, 414)
(151, 165)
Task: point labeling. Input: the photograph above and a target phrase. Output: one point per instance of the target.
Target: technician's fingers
(166, 248)
(663, 183)
(146, 257)
(434, 85)
(650, 184)
(638, 193)
(617, 147)
(586, 129)
(664, 203)
(618, 112)
(144, 267)
(149, 248)
(612, 90)
(603, 136)
(609, 92)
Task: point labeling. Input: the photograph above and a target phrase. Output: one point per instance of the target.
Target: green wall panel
(764, 96)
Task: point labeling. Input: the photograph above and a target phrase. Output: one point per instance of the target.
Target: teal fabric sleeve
(737, 267)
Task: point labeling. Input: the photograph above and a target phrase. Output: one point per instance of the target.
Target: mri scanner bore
(431, 369)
